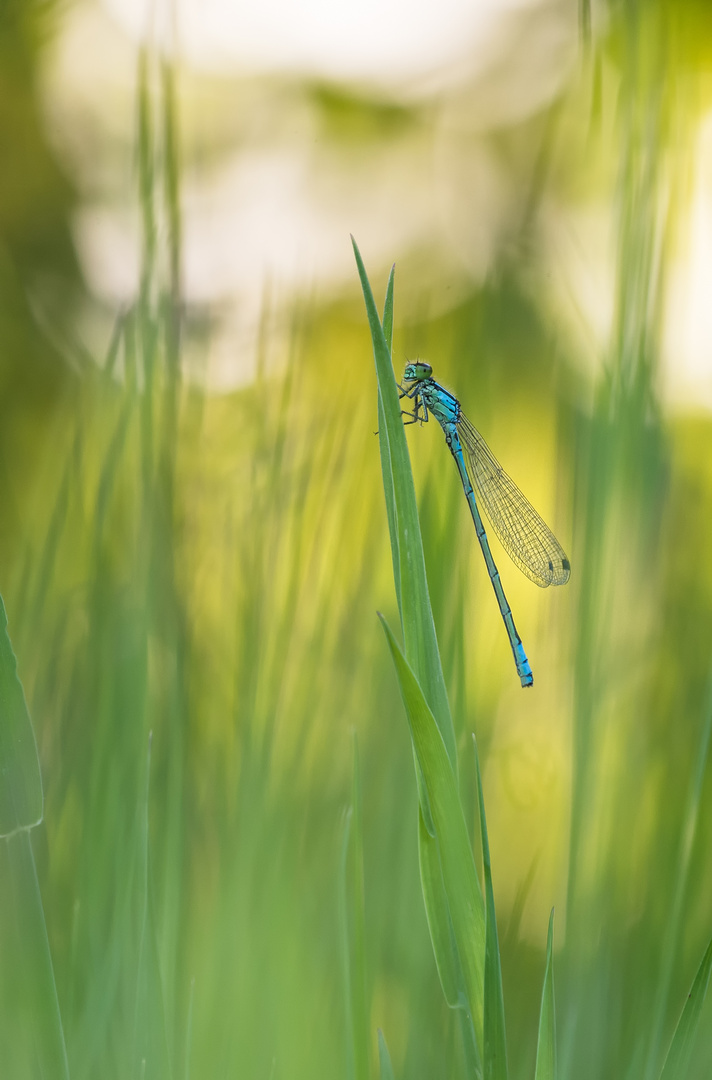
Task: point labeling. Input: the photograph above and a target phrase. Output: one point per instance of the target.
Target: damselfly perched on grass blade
(528, 541)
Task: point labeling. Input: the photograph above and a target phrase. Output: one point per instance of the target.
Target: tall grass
(230, 889)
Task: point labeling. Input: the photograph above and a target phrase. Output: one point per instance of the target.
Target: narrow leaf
(676, 921)
(352, 920)
(416, 613)
(36, 1025)
(546, 1046)
(458, 868)
(678, 1058)
(438, 915)
(384, 1058)
(388, 309)
(346, 944)
(150, 1036)
(384, 447)
(358, 916)
(21, 782)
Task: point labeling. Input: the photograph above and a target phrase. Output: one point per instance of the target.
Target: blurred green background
(193, 541)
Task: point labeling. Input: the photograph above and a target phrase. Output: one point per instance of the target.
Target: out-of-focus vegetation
(191, 582)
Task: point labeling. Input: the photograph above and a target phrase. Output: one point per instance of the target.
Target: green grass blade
(384, 447)
(388, 309)
(461, 886)
(353, 932)
(189, 1032)
(29, 992)
(585, 22)
(359, 998)
(392, 514)
(172, 186)
(146, 174)
(108, 367)
(438, 915)
(546, 1045)
(384, 1058)
(21, 787)
(676, 921)
(495, 1039)
(387, 475)
(151, 1047)
(421, 646)
(21, 805)
(346, 944)
(678, 1058)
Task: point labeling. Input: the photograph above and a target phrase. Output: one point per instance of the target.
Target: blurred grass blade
(676, 922)
(28, 984)
(353, 932)
(495, 1039)
(29, 992)
(21, 786)
(187, 1054)
(346, 946)
(678, 1058)
(108, 367)
(384, 1058)
(146, 175)
(443, 939)
(171, 189)
(359, 999)
(585, 22)
(546, 1045)
(521, 896)
(151, 1046)
(109, 479)
(460, 882)
(419, 636)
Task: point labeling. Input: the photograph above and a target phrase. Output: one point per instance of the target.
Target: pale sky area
(414, 45)
(268, 198)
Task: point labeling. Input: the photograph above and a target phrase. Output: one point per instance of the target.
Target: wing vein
(526, 538)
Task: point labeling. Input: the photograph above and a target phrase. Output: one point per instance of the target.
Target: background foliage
(191, 582)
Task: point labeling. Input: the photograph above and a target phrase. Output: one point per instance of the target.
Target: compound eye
(417, 372)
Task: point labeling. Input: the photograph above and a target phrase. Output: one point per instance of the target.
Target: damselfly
(530, 543)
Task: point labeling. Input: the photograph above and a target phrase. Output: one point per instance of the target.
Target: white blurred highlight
(270, 197)
(378, 41)
(688, 323)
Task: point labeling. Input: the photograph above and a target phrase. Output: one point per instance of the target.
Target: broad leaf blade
(28, 991)
(460, 882)
(438, 915)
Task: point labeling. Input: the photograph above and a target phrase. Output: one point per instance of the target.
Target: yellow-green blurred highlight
(200, 575)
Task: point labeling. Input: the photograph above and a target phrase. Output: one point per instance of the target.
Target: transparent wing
(528, 541)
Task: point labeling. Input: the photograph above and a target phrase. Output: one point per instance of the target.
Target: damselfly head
(417, 372)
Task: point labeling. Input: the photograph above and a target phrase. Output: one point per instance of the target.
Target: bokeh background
(193, 539)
